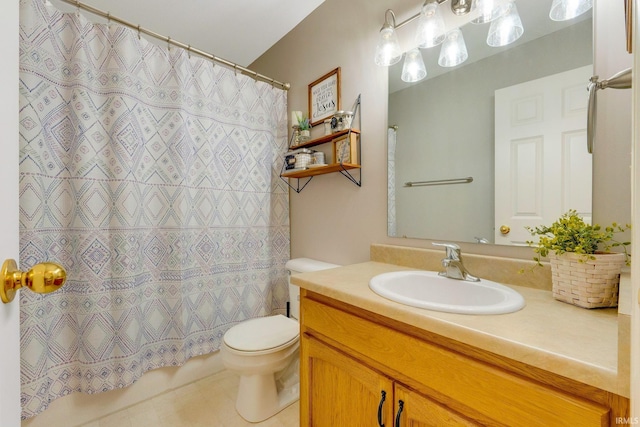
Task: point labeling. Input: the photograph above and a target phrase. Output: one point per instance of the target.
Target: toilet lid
(262, 333)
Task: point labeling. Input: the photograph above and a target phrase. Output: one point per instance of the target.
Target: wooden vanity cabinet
(345, 392)
(351, 357)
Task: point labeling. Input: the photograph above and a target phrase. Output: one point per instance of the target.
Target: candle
(295, 117)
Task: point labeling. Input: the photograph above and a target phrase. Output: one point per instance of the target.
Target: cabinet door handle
(400, 408)
(383, 396)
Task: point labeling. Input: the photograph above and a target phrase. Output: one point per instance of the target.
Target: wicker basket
(588, 283)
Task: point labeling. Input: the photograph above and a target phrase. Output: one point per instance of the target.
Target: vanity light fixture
(388, 50)
(413, 69)
(461, 7)
(431, 29)
(563, 10)
(431, 32)
(454, 50)
(487, 10)
(507, 28)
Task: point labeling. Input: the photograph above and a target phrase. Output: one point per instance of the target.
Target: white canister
(327, 127)
(318, 158)
(341, 120)
(302, 160)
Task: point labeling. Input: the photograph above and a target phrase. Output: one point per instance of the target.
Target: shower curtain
(391, 181)
(152, 177)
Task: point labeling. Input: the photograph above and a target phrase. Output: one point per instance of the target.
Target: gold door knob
(505, 229)
(42, 278)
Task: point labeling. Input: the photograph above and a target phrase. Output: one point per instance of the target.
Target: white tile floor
(209, 402)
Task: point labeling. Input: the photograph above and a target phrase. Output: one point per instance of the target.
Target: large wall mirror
(486, 123)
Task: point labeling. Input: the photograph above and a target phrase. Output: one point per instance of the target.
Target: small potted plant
(301, 126)
(583, 271)
(304, 126)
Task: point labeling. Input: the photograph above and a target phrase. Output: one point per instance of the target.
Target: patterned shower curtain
(152, 177)
(392, 134)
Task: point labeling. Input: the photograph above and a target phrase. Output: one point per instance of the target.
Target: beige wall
(334, 220)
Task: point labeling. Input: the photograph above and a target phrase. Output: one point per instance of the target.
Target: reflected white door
(542, 167)
(9, 313)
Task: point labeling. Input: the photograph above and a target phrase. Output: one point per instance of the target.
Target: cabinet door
(419, 411)
(336, 390)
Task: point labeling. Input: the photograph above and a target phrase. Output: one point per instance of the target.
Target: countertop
(570, 341)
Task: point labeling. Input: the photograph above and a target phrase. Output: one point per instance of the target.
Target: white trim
(9, 313)
(635, 215)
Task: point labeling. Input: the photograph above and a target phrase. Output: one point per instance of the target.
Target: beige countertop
(570, 341)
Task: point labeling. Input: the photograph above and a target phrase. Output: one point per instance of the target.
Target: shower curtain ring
(138, 31)
(169, 43)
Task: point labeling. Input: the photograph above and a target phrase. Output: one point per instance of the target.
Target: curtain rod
(169, 40)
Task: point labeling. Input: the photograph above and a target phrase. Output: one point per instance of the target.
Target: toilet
(265, 353)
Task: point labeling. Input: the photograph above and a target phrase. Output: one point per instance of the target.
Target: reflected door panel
(542, 167)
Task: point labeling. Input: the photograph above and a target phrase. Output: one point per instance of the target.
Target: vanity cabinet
(350, 358)
(343, 391)
(346, 392)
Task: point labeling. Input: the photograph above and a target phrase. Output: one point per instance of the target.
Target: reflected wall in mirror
(444, 127)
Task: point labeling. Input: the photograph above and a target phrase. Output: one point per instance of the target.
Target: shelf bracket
(350, 177)
(297, 188)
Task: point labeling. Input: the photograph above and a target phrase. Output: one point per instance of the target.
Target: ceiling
(236, 30)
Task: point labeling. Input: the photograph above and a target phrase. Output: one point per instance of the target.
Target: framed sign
(345, 149)
(324, 97)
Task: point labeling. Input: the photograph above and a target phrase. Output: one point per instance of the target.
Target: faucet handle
(452, 249)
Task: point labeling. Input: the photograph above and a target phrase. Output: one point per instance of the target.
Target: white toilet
(264, 351)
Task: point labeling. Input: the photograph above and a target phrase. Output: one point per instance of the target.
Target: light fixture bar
(414, 17)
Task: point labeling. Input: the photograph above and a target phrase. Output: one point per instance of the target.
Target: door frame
(635, 217)
(9, 214)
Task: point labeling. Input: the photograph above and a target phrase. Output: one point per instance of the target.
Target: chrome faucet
(454, 269)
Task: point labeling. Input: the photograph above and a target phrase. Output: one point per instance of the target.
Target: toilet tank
(302, 265)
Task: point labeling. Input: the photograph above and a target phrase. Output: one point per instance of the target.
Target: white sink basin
(426, 289)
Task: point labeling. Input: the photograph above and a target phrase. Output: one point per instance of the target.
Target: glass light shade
(487, 10)
(563, 10)
(431, 30)
(413, 68)
(507, 28)
(388, 50)
(454, 50)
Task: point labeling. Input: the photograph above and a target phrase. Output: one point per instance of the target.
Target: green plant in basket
(571, 234)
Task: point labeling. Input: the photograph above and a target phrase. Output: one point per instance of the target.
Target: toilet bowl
(265, 353)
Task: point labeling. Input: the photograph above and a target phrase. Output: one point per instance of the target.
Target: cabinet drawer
(499, 395)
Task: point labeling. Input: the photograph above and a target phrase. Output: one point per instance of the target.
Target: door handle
(400, 408)
(383, 395)
(42, 278)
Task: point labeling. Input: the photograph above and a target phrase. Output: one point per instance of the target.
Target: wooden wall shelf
(349, 156)
(335, 167)
(325, 139)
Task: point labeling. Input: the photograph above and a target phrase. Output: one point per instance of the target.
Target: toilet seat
(263, 334)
